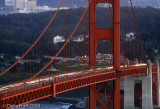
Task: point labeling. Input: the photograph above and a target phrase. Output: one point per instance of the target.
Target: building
(130, 36)
(79, 38)
(2, 3)
(35, 1)
(1, 55)
(104, 58)
(20, 4)
(17, 57)
(16, 4)
(82, 58)
(58, 39)
(8, 2)
(31, 5)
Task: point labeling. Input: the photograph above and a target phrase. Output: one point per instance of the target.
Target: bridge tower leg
(92, 96)
(112, 34)
(116, 50)
(92, 36)
(103, 98)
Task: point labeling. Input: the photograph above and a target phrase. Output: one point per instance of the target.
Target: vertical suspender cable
(35, 41)
(138, 31)
(55, 55)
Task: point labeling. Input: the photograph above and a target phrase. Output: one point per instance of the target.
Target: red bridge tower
(112, 34)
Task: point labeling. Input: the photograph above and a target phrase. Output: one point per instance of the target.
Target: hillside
(139, 3)
(19, 31)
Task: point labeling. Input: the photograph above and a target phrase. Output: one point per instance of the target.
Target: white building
(17, 57)
(9, 2)
(17, 4)
(47, 8)
(20, 4)
(57, 39)
(130, 36)
(79, 38)
(1, 55)
(31, 5)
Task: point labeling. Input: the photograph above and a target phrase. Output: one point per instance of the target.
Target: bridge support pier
(129, 94)
(158, 82)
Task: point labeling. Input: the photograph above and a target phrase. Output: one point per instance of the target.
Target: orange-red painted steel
(51, 89)
(59, 86)
(117, 93)
(92, 96)
(116, 51)
(95, 94)
(55, 55)
(116, 34)
(113, 35)
(92, 34)
(27, 95)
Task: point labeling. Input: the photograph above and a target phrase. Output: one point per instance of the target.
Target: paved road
(60, 76)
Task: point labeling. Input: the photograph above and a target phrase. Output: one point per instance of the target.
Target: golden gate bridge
(122, 56)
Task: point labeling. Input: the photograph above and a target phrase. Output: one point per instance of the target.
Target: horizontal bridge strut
(104, 1)
(104, 33)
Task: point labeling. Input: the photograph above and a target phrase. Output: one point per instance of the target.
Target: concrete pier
(146, 81)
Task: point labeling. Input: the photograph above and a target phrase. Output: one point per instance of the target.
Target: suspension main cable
(35, 41)
(138, 31)
(55, 55)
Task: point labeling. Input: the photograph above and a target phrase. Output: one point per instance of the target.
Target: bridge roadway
(55, 84)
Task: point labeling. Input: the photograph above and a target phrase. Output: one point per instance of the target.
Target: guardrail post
(53, 90)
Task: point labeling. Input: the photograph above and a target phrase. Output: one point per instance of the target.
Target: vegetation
(19, 31)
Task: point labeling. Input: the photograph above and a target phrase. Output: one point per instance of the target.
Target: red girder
(51, 89)
(133, 71)
(84, 81)
(27, 95)
(104, 34)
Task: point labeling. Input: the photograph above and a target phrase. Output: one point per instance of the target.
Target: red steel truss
(33, 93)
(24, 96)
(99, 96)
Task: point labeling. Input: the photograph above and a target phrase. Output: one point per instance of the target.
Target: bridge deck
(65, 82)
(58, 77)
